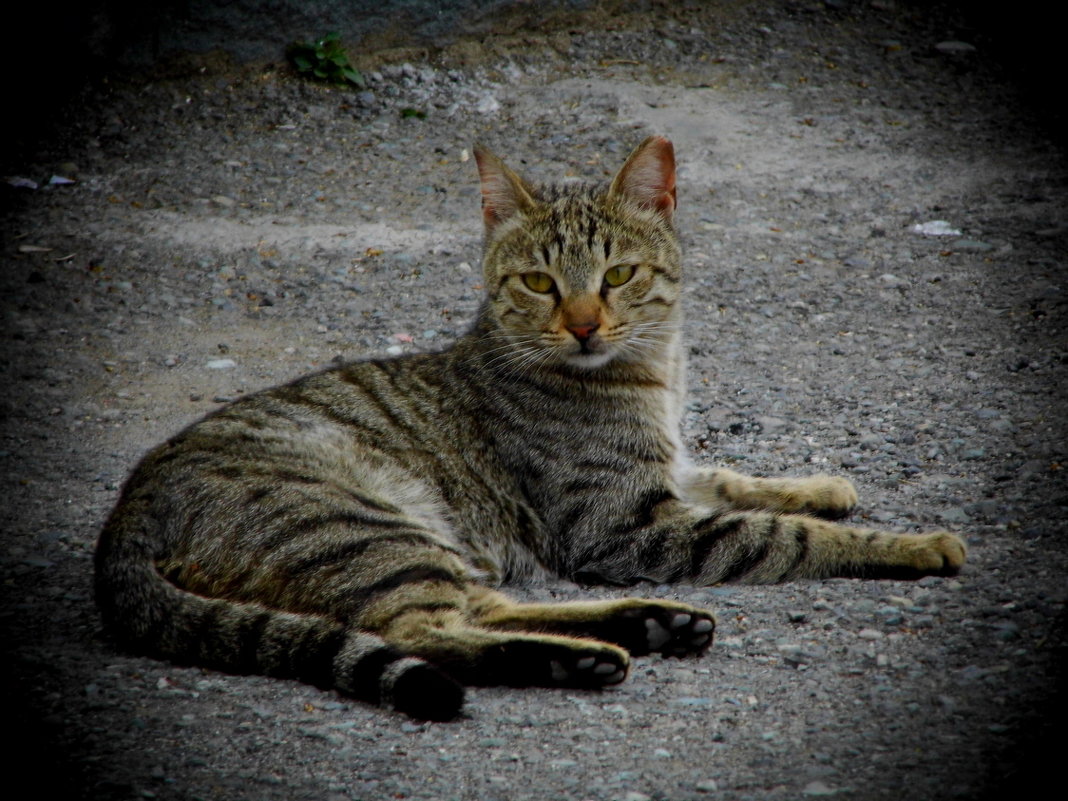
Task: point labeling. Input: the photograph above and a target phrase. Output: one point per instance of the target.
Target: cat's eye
(619, 275)
(538, 282)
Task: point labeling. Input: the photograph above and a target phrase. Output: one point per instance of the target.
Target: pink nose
(582, 331)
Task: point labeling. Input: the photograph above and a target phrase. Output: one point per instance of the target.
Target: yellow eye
(619, 275)
(538, 282)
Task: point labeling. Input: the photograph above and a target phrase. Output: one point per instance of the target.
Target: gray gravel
(230, 227)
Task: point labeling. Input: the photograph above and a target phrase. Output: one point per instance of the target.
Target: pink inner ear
(503, 195)
(648, 178)
(498, 198)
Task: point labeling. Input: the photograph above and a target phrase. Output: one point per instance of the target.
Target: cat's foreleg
(820, 495)
(701, 546)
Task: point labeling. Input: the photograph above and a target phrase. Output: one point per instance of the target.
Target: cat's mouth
(589, 353)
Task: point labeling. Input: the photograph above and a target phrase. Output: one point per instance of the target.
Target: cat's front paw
(938, 554)
(821, 495)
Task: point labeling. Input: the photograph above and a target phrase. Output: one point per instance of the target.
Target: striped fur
(347, 529)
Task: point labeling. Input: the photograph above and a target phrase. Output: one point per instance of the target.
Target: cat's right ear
(504, 194)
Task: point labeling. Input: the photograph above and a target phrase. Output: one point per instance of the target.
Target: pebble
(891, 615)
(954, 47)
(692, 701)
(818, 788)
(972, 244)
(794, 654)
(935, 228)
(954, 515)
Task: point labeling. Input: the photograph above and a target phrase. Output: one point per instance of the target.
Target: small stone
(794, 654)
(818, 788)
(692, 701)
(954, 47)
(935, 228)
(955, 515)
(973, 245)
(891, 615)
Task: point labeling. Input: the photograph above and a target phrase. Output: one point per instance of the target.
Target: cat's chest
(619, 430)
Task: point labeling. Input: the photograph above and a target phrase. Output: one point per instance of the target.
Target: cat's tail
(148, 614)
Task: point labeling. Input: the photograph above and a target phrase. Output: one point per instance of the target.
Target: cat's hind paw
(555, 662)
(591, 670)
(664, 628)
(682, 634)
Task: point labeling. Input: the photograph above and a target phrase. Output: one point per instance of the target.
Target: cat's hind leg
(431, 618)
(475, 655)
(820, 495)
(640, 626)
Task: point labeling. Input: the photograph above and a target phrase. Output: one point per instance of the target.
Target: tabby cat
(347, 529)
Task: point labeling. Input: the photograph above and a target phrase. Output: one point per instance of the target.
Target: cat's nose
(583, 331)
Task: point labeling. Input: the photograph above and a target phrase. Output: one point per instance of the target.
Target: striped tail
(150, 615)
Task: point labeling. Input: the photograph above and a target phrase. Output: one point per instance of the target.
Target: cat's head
(582, 275)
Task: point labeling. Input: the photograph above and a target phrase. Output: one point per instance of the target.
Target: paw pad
(587, 671)
(680, 633)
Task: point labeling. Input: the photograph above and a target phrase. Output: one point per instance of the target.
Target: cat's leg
(476, 655)
(693, 544)
(820, 495)
(429, 617)
(640, 626)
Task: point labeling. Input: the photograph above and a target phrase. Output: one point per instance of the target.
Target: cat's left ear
(648, 177)
(504, 194)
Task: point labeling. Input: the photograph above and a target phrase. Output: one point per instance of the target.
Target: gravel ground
(230, 227)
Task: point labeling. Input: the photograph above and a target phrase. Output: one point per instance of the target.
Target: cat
(349, 529)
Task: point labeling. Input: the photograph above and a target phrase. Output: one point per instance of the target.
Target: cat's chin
(588, 361)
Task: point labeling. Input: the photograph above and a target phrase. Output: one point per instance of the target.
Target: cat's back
(394, 443)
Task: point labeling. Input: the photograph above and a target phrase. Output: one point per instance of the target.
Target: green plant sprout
(325, 60)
